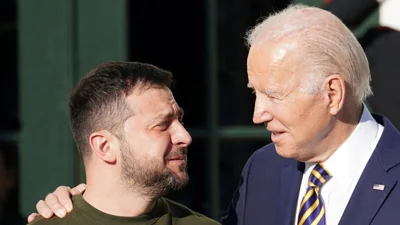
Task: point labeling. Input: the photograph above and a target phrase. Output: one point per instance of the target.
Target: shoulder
(51, 221)
(181, 212)
(73, 217)
(266, 157)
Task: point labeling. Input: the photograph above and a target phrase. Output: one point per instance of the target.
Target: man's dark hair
(98, 101)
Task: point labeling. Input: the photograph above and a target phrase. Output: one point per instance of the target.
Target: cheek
(311, 121)
(287, 114)
(297, 115)
(157, 146)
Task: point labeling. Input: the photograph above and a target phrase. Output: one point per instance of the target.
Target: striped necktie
(312, 210)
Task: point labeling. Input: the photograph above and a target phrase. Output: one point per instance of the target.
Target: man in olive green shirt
(128, 129)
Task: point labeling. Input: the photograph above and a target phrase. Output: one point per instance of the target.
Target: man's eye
(275, 99)
(163, 124)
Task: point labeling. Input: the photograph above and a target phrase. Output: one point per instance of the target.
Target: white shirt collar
(348, 157)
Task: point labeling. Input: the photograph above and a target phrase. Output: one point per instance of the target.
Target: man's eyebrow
(270, 92)
(170, 114)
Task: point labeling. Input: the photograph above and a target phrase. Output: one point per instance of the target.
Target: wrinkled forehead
(152, 100)
(277, 63)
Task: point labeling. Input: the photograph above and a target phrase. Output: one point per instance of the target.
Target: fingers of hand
(32, 217)
(78, 189)
(63, 196)
(53, 204)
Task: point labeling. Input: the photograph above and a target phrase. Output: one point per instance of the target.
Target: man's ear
(103, 145)
(336, 89)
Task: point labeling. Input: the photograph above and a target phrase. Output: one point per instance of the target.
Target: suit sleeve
(351, 12)
(236, 208)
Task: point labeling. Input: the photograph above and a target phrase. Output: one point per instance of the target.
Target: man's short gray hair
(329, 46)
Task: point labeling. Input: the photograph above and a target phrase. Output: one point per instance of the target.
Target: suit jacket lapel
(290, 184)
(366, 200)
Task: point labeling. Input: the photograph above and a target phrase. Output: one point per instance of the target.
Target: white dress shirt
(345, 166)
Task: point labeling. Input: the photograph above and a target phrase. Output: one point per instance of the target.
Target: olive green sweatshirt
(165, 212)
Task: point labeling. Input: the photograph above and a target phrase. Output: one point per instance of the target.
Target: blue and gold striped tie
(312, 210)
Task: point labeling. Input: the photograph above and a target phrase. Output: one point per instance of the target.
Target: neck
(342, 127)
(106, 194)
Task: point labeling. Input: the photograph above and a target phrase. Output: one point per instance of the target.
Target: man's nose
(261, 113)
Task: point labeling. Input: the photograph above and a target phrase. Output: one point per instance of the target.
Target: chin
(179, 173)
(286, 152)
(177, 168)
(182, 177)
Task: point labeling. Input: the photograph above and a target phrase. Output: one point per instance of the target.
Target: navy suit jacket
(269, 187)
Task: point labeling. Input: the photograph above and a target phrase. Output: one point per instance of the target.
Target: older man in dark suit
(331, 162)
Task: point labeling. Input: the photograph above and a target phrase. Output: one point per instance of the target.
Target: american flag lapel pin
(379, 187)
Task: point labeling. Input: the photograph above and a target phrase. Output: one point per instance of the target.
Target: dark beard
(148, 178)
